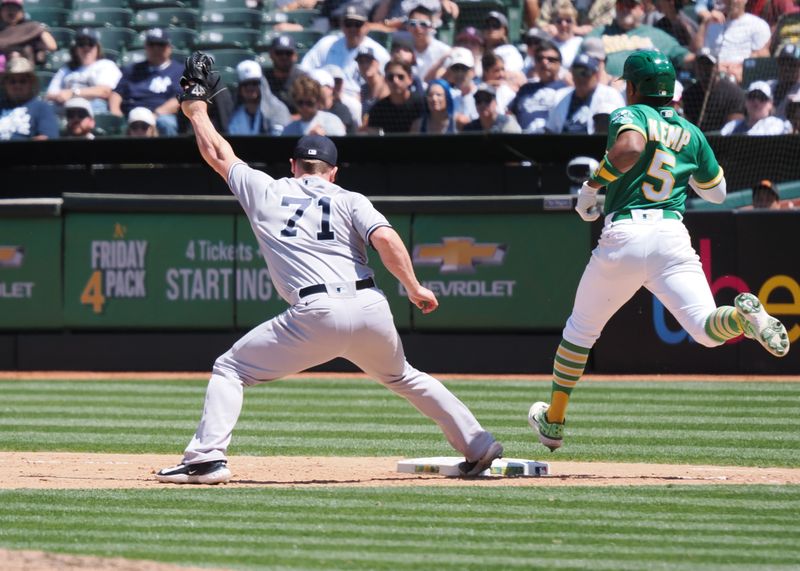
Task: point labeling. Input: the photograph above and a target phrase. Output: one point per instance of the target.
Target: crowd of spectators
(420, 66)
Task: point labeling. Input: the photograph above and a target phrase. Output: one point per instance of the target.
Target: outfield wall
(145, 283)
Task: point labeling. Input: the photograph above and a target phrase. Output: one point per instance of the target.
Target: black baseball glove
(199, 82)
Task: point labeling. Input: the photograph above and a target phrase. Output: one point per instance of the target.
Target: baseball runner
(313, 235)
(653, 155)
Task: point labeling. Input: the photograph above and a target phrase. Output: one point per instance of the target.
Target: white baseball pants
(655, 253)
(320, 327)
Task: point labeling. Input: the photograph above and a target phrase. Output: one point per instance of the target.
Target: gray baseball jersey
(310, 231)
(313, 232)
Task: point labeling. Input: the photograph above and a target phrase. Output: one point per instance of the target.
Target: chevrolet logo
(459, 255)
(11, 256)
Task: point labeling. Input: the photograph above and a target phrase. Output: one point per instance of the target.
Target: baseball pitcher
(653, 156)
(313, 235)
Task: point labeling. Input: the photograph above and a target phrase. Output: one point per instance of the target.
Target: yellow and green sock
(568, 366)
(723, 324)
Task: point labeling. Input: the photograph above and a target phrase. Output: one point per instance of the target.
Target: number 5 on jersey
(302, 203)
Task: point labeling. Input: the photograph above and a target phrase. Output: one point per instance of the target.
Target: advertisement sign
(738, 254)
(500, 271)
(30, 273)
(149, 270)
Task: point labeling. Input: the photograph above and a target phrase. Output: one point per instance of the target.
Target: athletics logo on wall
(11, 256)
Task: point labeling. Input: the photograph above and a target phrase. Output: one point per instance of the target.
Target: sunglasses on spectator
(582, 72)
(483, 99)
(549, 59)
(305, 103)
(76, 114)
(138, 126)
(17, 81)
(85, 43)
(353, 23)
(286, 53)
(420, 24)
(393, 76)
(563, 21)
(492, 25)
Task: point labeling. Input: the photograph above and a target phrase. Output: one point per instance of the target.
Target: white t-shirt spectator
(434, 53)
(569, 50)
(512, 59)
(603, 98)
(334, 51)
(767, 126)
(101, 72)
(734, 41)
(332, 125)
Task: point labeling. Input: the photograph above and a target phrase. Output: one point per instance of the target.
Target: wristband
(606, 173)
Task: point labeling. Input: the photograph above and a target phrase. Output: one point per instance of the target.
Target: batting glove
(586, 206)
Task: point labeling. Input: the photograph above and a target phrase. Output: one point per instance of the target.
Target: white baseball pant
(357, 326)
(652, 252)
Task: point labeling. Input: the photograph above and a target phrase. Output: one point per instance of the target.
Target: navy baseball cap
(283, 43)
(316, 147)
(587, 61)
(157, 36)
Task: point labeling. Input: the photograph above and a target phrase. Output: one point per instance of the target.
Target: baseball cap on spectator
(498, 16)
(248, 70)
(467, 36)
(316, 147)
(19, 65)
(87, 34)
(536, 36)
(461, 56)
(766, 184)
(283, 43)
(486, 88)
(355, 11)
(789, 50)
(142, 115)
(586, 61)
(760, 87)
(322, 77)
(594, 47)
(706, 54)
(157, 36)
(365, 52)
(401, 42)
(79, 103)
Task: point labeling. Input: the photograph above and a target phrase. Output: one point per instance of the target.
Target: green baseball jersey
(675, 150)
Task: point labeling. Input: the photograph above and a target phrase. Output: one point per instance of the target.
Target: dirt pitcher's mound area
(59, 470)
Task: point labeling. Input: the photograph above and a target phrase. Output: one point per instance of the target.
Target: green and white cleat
(551, 434)
(760, 325)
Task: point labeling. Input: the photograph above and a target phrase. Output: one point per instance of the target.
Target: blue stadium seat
(116, 38)
(53, 17)
(62, 36)
(165, 17)
(99, 17)
(230, 57)
(92, 4)
(230, 18)
(227, 38)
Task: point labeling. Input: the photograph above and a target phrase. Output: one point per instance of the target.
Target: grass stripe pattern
(747, 424)
(692, 527)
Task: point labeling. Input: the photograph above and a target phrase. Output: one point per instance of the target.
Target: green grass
(748, 424)
(693, 528)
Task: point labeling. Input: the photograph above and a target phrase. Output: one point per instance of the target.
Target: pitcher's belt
(322, 288)
(667, 214)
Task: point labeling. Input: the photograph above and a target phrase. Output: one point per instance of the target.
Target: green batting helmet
(651, 72)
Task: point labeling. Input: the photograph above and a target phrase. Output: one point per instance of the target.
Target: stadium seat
(305, 18)
(165, 17)
(131, 56)
(92, 4)
(65, 4)
(271, 17)
(108, 125)
(222, 4)
(787, 30)
(116, 38)
(229, 77)
(473, 12)
(303, 40)
(230, 57)
(57, 59)
(98, 17)
(227, 38)
(53, 17)
(230, 18)
(181, 38)
(264, 60)
(383, 38)
(759, 68)
(148, 4)
(44, 77)
(62, 36)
